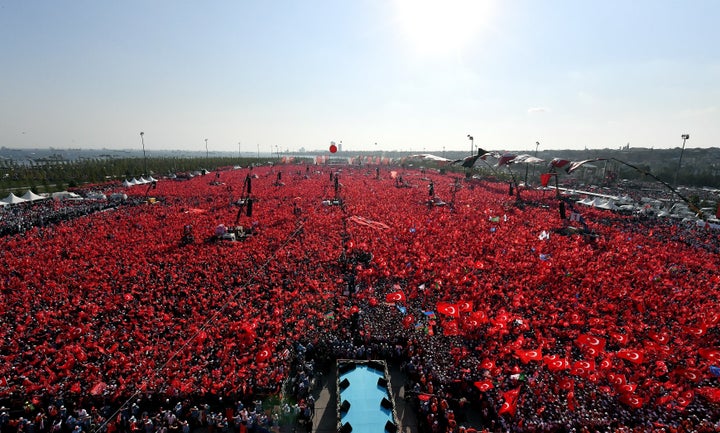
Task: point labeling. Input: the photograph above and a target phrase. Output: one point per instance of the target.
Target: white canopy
(13, 199)
(31, 196)
(65, 195)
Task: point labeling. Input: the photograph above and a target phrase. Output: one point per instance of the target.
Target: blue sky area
(414, 75)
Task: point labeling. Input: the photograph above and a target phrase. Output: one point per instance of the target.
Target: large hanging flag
(527, 159)
(560, 163)
(367, 222)
(545, 179)
(469, 161)
(574, 165)
(505, 159)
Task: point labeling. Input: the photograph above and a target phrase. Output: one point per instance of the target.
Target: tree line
(58, 175)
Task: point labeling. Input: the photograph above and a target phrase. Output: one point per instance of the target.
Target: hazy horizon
(404, 75)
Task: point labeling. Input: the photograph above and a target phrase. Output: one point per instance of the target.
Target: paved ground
(325, 420)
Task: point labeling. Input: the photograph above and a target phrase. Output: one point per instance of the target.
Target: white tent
(606, 204)
(126, 183)
(13, 199)
(65, 195)
(31, 196)
(94, 195)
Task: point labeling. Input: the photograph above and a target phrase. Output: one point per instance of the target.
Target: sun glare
(442, 26)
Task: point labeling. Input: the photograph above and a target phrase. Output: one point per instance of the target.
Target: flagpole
(647, 173)
(677, 170)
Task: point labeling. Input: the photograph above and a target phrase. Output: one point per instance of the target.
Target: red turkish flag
(470, 323)
(685, 398)
(711, 319)
(659, 337)
(633, 401)
(556, 363)
(263, 355)
(510, 404)
(595, 343)
(617, 380)
(627, 388)
(621, 339)
(582, 368)
(529, 355)
(448, 309)
(395, 297)
(712, 394)
(697, 331)
(484, 385)
(567, 384)
(465, 306)
(487, 364)
(408, 321)
(632, 355)
(479, 316)
(606, 364)
(690, 373)
(451, 328)
(711, 354)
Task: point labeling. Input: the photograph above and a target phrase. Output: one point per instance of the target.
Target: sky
(415, 75)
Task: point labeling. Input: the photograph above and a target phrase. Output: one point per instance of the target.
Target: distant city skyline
(402, 75)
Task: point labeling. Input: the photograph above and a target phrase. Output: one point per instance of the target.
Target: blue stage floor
(365, 415)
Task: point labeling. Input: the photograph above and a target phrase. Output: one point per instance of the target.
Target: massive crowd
(17, 219)
(490, 304)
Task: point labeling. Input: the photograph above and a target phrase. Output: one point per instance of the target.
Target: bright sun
(442, 26)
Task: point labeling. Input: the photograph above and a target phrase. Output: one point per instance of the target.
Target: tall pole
(142, 140)
(684, 138)
(258, 151)
(207, 152)
(537, 144)
(239, 153)
(472, 145)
